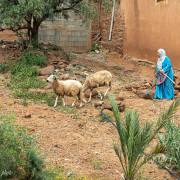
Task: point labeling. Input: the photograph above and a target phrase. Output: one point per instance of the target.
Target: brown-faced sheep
(98, 79)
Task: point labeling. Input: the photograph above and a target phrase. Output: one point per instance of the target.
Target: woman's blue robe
(166, 89)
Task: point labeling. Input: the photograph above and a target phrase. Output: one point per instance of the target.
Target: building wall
(117, 38)
(71, 34)
(150, 26)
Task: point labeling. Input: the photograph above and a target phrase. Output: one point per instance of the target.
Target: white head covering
(162, 57)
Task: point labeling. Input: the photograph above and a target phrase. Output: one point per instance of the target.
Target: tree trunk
(34, 32)
(34, 35)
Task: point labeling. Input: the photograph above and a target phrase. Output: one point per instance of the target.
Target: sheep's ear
(54, 77)
(56, 71)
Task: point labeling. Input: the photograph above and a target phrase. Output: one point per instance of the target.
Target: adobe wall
(150, 26)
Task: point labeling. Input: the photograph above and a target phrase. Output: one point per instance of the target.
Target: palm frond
(135, 139)
(119, 126)
(118, 153)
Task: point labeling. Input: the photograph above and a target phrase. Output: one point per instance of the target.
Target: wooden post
(112, 20)
(100, 10)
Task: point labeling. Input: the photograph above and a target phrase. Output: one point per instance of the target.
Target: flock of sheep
(74, 88)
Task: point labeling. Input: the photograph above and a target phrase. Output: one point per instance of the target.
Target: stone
(64, 77)
(27, 115)
(119, 97)
(62, 66)
(99, 103)
(146, 94)
(46, 71)
(106, 106)
(87, 93)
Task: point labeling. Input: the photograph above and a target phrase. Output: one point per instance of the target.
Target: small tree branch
(68, 8)
(13, 28)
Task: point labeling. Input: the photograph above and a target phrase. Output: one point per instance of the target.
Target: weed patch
(33, 59)
(97, 164)
(3, 68)
(170, 140)
(18, 155)
(24, 77)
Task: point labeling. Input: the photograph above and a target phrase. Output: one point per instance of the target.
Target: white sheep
(65, 88)
(98, 79)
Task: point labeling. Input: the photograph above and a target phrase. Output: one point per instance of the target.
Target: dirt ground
(75, 139)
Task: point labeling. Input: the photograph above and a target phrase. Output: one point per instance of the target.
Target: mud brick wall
(118, 31)
(72, 34)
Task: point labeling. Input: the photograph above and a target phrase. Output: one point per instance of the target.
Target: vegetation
(95, 47)
(170, 140)
(18, 154)
(24, 78)
(28, 15)
(97, 164)
(3, 68)
(134, 140)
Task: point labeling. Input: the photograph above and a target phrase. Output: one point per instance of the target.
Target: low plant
(3, 68)
(95, 47)
(24, 78)
(170, 140)
(134, 139)
(18, 157)
(33, 58)
(97, 164)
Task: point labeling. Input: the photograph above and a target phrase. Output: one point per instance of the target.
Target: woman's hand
(161, 71)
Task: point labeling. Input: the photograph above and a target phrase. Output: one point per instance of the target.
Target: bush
(3, 68)
(18, 158)
(95, 46)
(33, 59)
(22, 70)
(24, 77)
(171, 142)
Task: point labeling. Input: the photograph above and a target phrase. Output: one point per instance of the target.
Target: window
(161, 1)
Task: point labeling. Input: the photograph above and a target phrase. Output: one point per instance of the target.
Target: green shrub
(33, 58)
(3, 68)
(17, 159)
(171, 142)
(95, 46)
(47, 98)
(24, 77)
(134, 140)
(22, 70)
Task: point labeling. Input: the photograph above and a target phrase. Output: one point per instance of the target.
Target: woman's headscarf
(162, 57)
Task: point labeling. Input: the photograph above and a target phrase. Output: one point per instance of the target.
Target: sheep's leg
(84, 100)
(75, 101)
(64, 104)
(109, 88)
(55, 104)
(100, 95)
(90, 97)
(107, 91)
(81, 104)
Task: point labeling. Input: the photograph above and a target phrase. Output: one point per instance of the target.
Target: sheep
(98, 79)
(65, 87)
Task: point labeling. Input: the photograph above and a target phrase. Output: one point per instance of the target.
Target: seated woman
(164, 77)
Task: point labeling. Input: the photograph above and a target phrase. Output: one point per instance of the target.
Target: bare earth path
(77, 140)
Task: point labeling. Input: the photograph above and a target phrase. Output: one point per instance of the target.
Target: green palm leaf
(134, 139)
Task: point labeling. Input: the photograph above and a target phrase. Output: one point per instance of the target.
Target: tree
(28, 15)
(134, 139)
